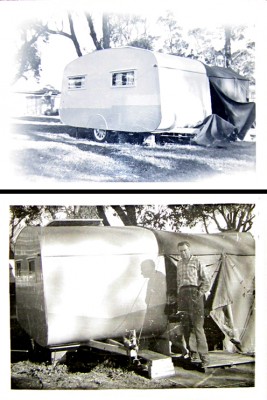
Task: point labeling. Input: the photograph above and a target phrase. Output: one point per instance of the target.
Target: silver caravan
(136, 91)
(76, 283)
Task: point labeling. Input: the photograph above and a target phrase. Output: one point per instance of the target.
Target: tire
(38, 353)
(100, 135)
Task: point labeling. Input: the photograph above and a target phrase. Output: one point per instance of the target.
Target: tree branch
(106, 31)
(122, 214)
(97, 43)
(221, 210)
(62, 33)
(102, 215)
(216, 221)
(131, 214)
(205, 224)
(73, 36)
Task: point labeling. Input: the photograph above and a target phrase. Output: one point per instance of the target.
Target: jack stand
(150, 141)
(130, 342)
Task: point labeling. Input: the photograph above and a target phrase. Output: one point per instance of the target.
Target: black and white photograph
(132, 296)
(113, 94)
(152, 294)
(133, 199)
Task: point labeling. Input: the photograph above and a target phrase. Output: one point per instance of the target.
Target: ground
(112, 373)
(43, 152)
(94, 369)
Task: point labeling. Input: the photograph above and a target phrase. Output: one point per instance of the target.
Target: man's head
(148, 268)
(184, 250)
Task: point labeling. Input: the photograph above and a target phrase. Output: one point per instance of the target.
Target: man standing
(155, 296)
(192, 284)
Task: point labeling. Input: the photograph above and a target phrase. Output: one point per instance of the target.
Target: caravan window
(18, 268)
(31, 264)
(123, 78)
(76, 82)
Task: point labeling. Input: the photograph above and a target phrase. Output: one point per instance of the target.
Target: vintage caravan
(134, 90)
(76, 282)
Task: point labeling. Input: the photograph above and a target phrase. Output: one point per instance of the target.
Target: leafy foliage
(174, 42)
(223, 217)
(28, 56)
(130, 30)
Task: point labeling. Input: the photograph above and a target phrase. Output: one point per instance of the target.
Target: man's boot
(194, 356)
(205, 361)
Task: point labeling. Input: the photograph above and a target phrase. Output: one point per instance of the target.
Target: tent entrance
(230, 307)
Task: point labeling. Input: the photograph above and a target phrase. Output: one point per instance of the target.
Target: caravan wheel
(100, 135)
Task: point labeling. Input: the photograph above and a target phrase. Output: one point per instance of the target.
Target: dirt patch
(100, 371)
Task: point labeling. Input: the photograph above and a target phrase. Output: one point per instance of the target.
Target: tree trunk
(97, 43)
(227, 46)
(131, 212)
(102, 215)
(74, 37)
(128, 216)
(106, 31)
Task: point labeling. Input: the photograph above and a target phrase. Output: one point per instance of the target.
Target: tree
(243, 51)
(117, 30)
(234, 43)
(174, 42)
(97, 43)
(28, 57)
(227, 46)
(130, 30)
(224, 217)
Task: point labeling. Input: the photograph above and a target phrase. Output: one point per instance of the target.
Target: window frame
(124, 80)
(72, 78)
(31, 271)
(18, 268)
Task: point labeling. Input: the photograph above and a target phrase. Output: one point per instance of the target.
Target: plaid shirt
(192, 272)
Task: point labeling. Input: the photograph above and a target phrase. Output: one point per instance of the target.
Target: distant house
(38, 102)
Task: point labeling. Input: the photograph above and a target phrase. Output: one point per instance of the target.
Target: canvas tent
(230, 296)
(232, 113)
(230, 259)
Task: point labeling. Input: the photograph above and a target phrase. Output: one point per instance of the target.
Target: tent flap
(231, 304)
(214, 131)
(241, 115)
(229, 97)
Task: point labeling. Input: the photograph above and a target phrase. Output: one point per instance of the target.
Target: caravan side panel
(185, 92)
(30, 301)
(112, 89)
(93, 285)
